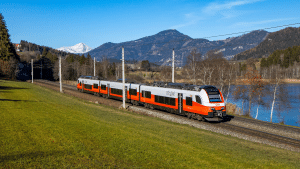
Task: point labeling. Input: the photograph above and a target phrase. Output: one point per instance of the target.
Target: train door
(99, 87)
(82, 85)
(180, 101)
(108, 86)
(139, 93)
(126, 97)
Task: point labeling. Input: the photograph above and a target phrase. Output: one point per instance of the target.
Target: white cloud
(248, 24)
(190, 18)
(214, 8)
(224, 9)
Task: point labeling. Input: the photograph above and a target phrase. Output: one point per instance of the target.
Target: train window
(103, 87)
(212, 91)
(116, 91)
(87, 86)
(133, 92)
(214, 98)
(95, 86)
(198, 99)
(167, 100)
(162, 99)
(156, 99)
(172, 101)
(148, 94)
(189, 101)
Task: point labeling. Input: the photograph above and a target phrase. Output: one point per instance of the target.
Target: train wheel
(199, 117)
(189, 115)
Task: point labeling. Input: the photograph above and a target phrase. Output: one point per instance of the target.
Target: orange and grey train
(201, 103)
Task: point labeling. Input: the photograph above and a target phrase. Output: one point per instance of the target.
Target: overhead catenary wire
(235, 33)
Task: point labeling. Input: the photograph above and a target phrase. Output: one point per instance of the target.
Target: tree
(88, 59)
(192, 69)
(166, 73)
(82, 59)
(70, 58)
(7, 49)
(145, 65)
(278, 90)
(44, 52)
(240, 93)
(230, 78)
(8, 54)
(105, 66)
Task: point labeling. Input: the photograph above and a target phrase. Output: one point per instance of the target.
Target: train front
(214, 102)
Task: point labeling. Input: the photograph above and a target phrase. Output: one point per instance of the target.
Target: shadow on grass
(10, 88)
(30, 155)
(16, 100)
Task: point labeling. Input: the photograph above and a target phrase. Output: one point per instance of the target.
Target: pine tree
(7, 49)
(88, 59)
(44, 52)
(82, 59)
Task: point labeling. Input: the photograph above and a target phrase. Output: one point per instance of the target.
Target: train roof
(182, 86)
(90, 77)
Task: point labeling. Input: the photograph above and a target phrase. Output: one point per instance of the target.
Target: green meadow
(41, 128)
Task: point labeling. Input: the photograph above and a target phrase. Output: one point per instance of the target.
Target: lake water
(290, 116)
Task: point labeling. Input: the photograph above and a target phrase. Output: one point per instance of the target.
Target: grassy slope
(47, 129)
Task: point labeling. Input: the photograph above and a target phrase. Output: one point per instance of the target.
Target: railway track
(295, 143)
(250, 129)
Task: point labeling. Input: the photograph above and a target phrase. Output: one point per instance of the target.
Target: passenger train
(197, 102)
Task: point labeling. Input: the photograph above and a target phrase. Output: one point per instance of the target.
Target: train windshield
(213, 94)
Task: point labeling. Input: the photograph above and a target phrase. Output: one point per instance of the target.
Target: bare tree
(104, 65)
(279, 91)
(275, 80)
(240, 93)
(230, 78)
(165, 73)
(193, 68)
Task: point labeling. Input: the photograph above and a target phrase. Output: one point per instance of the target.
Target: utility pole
(94, 66)
(173, 67)
(60, 84)
(31, 70)
(123, 77)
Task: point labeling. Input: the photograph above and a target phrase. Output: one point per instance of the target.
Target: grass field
(41, 128)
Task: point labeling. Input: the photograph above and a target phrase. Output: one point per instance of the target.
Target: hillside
(158, 48)
(28, 46)
(279, 40)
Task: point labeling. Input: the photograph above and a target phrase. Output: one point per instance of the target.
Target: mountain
(78, 48)
(158, 48)
(279, 40)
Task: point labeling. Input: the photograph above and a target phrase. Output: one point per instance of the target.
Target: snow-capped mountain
(78, 48)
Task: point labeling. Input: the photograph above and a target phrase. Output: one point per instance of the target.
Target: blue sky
(66, 23)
